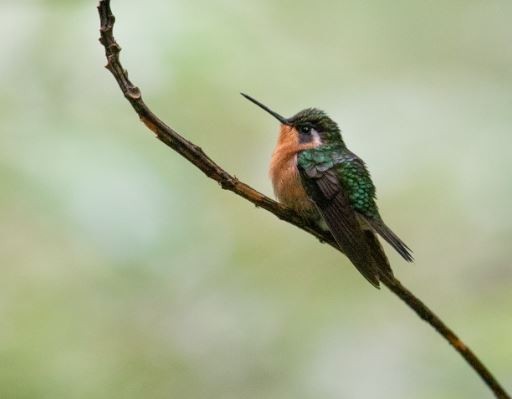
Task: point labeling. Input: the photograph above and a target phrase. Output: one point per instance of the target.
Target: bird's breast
(285, 175)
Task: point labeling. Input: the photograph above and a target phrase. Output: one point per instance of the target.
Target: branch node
(133, 93)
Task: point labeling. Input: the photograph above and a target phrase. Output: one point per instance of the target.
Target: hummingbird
(314, 173)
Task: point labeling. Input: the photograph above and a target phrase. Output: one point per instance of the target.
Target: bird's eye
(305, 129)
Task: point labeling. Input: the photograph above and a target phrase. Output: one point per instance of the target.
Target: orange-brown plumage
(284, 173)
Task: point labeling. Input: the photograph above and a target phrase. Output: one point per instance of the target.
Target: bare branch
(198, 158)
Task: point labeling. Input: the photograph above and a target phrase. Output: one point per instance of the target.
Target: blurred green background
(127, 274)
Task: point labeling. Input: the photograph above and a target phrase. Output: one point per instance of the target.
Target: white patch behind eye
(316, 138)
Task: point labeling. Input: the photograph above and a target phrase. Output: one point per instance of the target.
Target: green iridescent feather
(351, 171)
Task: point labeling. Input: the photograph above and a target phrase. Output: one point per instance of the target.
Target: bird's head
(311, 125)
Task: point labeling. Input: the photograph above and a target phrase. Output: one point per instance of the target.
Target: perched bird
(314, 173)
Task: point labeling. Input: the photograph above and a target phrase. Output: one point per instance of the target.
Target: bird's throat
(284, 173)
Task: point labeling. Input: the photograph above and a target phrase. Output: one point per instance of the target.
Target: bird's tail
(385, 232)
(378, 254)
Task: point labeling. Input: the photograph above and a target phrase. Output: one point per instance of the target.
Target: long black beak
(281, 119)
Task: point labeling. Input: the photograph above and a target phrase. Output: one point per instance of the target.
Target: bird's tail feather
(378, 254)
(385, 232)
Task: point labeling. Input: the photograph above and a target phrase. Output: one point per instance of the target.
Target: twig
(197, 157)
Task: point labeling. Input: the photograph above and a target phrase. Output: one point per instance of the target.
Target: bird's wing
(356, 179)
(320, 179)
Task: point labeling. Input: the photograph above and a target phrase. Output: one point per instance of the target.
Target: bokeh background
(126, 274)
